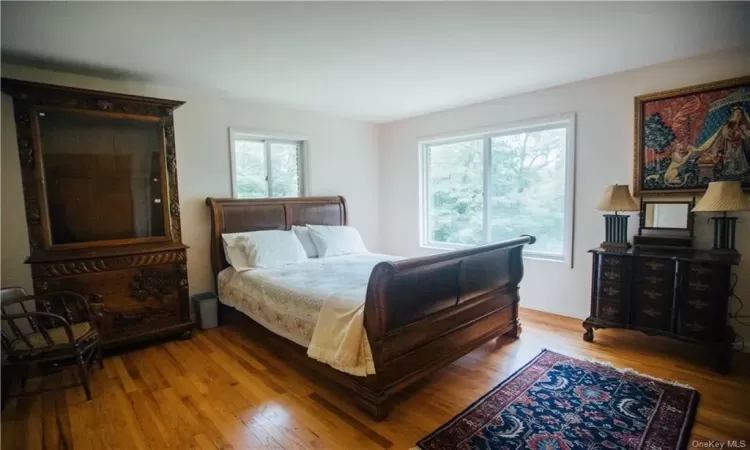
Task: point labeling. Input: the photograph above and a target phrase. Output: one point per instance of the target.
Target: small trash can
(206, 309)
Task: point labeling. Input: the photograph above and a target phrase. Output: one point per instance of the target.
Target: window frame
(567, 121)
(267, 138)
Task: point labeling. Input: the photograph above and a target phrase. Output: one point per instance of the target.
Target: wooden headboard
(231, 215)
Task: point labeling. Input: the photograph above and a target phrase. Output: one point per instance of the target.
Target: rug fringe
(627, 370)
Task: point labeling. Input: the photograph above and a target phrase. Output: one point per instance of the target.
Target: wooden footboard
(420, 314)
(424, 313)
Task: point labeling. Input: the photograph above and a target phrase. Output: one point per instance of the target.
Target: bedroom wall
(342, 154)
(604, 133)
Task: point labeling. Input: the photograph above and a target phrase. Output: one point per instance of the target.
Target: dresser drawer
(653, 294)
(706, 273)
(654, 266)
(134, 300)
(615, 262)
(610, 310)
(656, 281)
(612, 291)
(613, 268)
(653, 317)
(696, 325)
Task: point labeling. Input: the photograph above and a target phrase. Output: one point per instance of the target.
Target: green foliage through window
(267, 168)
(526, 182)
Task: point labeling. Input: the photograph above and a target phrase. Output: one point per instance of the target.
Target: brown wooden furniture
(99, 177)
(680, 294)
(420, 314)
(49, 330)
(665, 225)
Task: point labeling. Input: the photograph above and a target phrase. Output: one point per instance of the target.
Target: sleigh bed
(420, 314)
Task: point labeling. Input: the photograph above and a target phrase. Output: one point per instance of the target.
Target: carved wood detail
(106, 264)
(173, 191)
(138, 285)
(50, 96)
(151, 284)
(27, 160)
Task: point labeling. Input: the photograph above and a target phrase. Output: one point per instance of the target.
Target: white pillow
(333, 240)
(234, 250)
(303, 234)
(271, 248)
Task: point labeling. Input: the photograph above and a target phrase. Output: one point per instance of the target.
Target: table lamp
(616, 198)
(723, 196)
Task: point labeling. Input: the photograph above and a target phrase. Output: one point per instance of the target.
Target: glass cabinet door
(103, 177)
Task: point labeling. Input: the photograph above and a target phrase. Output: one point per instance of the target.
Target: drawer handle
(700, 270)
(655, 265)
(697, 304)
(692, 326)
(610, 311)
(654, 280)
(612, 261)
(653, 295)
(652, 313)
(609, 290)
(698, 286)
(611, 274)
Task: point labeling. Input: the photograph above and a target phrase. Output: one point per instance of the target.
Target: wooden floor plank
(221, 390)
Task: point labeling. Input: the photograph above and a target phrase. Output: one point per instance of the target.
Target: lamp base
(622, 246)
(724, 233)
(616, 232)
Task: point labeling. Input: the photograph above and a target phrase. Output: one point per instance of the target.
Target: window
(498, 185)
(265, 166)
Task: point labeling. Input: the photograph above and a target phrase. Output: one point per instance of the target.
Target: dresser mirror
(672, 215)
(666, 224)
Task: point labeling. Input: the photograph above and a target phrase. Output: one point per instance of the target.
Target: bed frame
(421, 314)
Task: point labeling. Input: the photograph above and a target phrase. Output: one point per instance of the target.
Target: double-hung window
(497, 185)
(266, 166)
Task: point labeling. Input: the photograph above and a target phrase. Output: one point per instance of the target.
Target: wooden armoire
(99, 175)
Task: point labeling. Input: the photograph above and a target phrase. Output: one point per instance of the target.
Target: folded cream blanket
(339, 339)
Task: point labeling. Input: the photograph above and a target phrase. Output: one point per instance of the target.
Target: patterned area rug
(559, 402)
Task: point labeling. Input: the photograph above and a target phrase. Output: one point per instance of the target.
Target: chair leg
(24, 378)
(99, 355)
(84, 374)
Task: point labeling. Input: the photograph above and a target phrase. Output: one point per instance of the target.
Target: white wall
(342, 154)
(604, 155)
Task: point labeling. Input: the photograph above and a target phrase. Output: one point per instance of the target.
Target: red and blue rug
(559, 402)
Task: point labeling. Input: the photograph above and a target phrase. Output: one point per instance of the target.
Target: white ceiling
(370, 61)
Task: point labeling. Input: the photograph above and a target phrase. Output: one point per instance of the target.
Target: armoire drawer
(133, 300)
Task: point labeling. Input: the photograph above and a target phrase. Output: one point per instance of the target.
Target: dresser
(99, 178)
(683, 295)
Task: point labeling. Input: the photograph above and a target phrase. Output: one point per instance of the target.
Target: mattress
(287, 299)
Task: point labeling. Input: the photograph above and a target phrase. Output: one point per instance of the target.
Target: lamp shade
(723, 196)
(617, 198)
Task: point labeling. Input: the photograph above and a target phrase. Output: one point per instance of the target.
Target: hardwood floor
(220, 390)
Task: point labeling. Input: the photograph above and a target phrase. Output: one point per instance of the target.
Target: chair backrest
(11, 303)
(35, 324)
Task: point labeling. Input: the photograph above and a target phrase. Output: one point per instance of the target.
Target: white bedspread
(318, 303)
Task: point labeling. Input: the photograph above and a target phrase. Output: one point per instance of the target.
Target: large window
(265, 166)
(498, 185)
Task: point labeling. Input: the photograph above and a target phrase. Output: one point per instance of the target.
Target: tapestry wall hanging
(686, 138)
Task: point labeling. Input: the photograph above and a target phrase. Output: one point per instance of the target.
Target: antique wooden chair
(50, 331)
